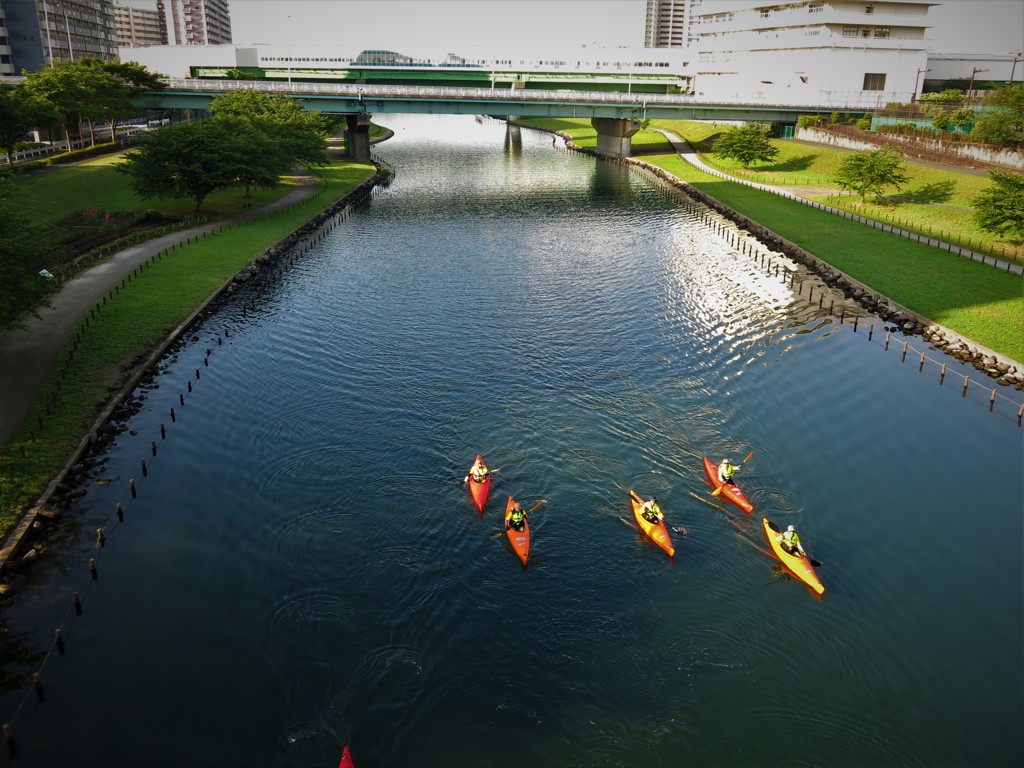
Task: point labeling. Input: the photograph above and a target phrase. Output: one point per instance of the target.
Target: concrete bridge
(616, 116)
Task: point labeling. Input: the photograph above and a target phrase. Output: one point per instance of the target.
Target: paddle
(528, 511)
(718, 490)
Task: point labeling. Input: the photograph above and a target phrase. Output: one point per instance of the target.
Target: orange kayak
(520, 540)
(479, 490)
(729, 491)
(657, 532)
(799, 567)
(346, 759)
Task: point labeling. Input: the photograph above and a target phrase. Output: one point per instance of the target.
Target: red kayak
(479, 490)
(346, 759)
(729, 491)
(657, 532)
(520, 540)
(796, 565)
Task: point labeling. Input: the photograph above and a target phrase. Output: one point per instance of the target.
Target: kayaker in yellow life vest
(791, 543)
(651, 511)
(726, 470)
(478, 472)
(517, 518)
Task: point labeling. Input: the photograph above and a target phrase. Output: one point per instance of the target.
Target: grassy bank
(980, 302)
(936, 202)
(131, 324)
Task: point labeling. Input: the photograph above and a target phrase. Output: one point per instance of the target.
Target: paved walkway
(685, 151)
(28, 356)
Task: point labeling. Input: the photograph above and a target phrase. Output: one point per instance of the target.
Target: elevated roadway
(615, 115)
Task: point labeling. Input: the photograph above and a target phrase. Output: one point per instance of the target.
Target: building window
(869, 9)
(874, 81)
(851, 31)
(881, 31)
(765, 13)
(815, 7)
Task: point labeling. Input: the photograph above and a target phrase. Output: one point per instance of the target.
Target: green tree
(1000, 207)
(747, 144)
(65, 86)
(868, 173)
(300, 133)
(191, 159)
(123, 82)
(20, 111)
(1001, 121)
(939, 106)
(21, 257)
(961, 118)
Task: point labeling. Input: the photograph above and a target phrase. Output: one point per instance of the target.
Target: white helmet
(791, 528)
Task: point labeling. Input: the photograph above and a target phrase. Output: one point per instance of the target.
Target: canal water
(302, 567)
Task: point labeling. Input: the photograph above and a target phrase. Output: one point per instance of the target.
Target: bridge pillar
(613, 135)
(358, 137)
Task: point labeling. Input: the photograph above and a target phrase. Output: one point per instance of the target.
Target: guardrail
(840, 101)
(60, 147)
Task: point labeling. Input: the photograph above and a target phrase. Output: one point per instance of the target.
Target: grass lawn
(132, 324)
(934, 202)
(65, 191)
(982, 303)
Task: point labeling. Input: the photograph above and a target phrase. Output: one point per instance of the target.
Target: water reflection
(303, 556)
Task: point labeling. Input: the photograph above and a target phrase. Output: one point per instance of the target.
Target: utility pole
(913, 96)
(970, 91)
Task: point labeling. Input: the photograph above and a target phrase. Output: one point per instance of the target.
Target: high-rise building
(198, 22)
(670, 23)
(137, 27)
(40, 32)
(6, 66)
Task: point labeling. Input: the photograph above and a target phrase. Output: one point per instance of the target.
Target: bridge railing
(831, 101)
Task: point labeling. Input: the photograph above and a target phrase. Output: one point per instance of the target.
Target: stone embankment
(1005, 371)
(29, 540)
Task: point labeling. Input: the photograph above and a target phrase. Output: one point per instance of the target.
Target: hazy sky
(958, 26)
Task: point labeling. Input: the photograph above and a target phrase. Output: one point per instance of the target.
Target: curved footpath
(687, 153)
(27, 356)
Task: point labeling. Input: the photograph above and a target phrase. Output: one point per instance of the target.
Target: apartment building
(40, 32)
(669, 23)
(6, 64)
(137, 26)
(812, 51)
(198, 22)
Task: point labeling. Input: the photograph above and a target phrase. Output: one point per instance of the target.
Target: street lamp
(970, 91)
(913, 96)
(1013, 69)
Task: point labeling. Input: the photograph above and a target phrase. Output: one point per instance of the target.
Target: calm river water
(302, 568)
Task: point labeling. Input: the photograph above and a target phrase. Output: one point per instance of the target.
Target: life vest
(480, 473)
(725, 471)
(517, 516)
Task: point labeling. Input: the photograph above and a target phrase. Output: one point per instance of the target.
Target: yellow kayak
(799, 567)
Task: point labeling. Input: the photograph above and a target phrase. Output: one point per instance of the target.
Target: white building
(811, 51)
